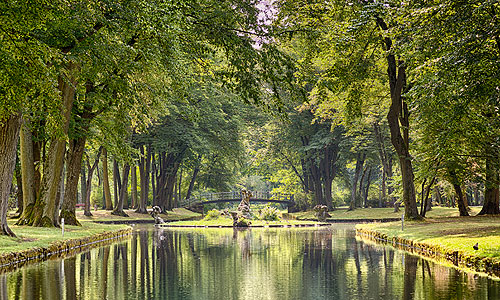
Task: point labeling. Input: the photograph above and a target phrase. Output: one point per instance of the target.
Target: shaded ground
(105, 215)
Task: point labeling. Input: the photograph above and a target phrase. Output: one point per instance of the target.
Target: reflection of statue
(156, 215)
(321, 212)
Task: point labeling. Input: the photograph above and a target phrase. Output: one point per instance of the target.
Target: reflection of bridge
(235, 196)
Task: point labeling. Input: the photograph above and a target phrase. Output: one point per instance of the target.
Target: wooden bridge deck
(235, 196)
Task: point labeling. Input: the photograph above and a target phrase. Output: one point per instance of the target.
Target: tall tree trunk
(398, 113)
(27, 172)
(360, 190)
(491, 191)
(105, 180)
(367, 189)
(359, 167)
(88, 184)
(83, 184)
(193, 178)
(9, 135)
(437, 192)
(54, 161)
(74, 166)
(316, 182)
(328, 172)
(149, 176)
(19, 194)
(133, 180)
(125, 191)
(171, 182)
(141, 208)
(52, 175)
(118, 211)
(462, 208)
(476, 194)
(60, 194)
(117, 182)
(179, 188)
(383, 196)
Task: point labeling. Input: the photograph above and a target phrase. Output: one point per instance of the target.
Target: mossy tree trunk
(118, 211)
(91, 169)
(117, 182)
(359, 168)
(398, 119)
(27, 172)
(74, 166)
(54, 163)
(9, 135)
(105, 180)
(491, 191)
(193, 177)
(144, 176)
(133, 179)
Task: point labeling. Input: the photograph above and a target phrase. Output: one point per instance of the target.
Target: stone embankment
(488, 265)
(12, 260)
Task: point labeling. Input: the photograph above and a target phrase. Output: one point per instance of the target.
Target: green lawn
(31, 237)
(380, 213)
(448, 234)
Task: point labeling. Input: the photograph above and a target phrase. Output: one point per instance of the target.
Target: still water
(281, 263)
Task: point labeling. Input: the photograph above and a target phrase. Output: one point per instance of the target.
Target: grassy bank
(379, 213)
(451, 239)
(39, 237)
(32, 237)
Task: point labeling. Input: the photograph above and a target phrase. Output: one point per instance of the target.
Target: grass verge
(40, 237)
(451, 239)
(380, 213)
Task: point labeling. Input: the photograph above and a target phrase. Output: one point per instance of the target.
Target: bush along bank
(487, 265)
(13, 260)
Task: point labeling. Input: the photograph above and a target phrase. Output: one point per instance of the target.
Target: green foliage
(243, 222)
(269, 213)
(212, 214)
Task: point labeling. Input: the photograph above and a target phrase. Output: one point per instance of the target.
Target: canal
(258, 263)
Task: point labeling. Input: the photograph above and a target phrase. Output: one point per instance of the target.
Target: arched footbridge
(235, 196)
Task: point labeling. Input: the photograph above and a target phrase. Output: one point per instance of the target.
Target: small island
(244, 217)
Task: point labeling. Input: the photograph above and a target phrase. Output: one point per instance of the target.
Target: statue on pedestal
(156, 215)
(321, 212)
(242, 215)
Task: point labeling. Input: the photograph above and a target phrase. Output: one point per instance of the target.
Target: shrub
(269, 213)
(242, 222)
(212, 214)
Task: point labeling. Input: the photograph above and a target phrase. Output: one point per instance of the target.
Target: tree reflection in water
(244, 264)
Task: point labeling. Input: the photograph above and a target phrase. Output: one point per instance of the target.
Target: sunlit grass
(30, 237)
(454, 233)
(381, 213)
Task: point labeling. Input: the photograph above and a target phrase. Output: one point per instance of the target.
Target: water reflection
(244, 264)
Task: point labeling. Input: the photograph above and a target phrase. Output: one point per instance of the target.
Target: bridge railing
(236, 195)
